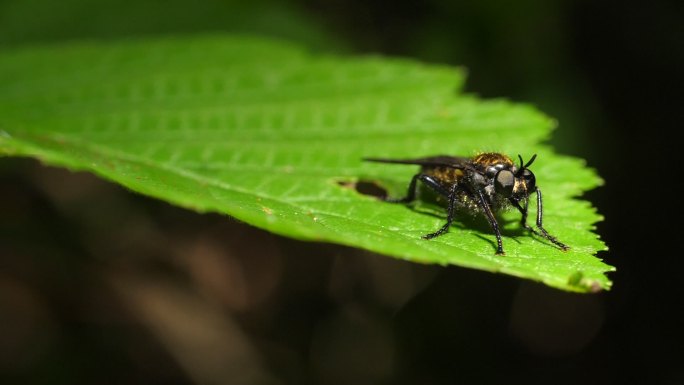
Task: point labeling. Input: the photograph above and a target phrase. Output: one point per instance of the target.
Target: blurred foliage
(42, 21)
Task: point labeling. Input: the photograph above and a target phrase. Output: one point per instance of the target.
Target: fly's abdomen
(446, 176)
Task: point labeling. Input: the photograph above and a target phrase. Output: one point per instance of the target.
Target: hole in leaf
(366, 187)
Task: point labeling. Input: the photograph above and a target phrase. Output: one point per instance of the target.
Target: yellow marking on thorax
(492, 158)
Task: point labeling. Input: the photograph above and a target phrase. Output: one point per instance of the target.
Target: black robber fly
(485, 183)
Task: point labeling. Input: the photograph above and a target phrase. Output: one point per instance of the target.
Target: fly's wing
(431, 161)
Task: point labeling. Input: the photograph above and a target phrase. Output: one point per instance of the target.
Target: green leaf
(270, 134)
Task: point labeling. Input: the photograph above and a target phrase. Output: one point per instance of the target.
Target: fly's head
(516, 183)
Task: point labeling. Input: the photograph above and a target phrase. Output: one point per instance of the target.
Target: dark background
(99, 285)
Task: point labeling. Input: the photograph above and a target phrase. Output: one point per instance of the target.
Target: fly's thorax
(497, 200)
(490, 164)
(493, 160)
(480, 181)
(500, 203)
(468, 204)
(471, 205)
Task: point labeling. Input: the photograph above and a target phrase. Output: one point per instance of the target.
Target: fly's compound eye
(530, 180)
(504, 183)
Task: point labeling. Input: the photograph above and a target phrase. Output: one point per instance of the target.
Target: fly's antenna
(526, 165)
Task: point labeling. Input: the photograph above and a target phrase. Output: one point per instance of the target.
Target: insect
(485, 183)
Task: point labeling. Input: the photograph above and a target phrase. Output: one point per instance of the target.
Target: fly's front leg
(451, 208)
(523, 211)
(411, 194)
(545, 233)
(492, 221)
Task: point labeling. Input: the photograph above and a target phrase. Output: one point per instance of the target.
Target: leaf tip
(579, 281)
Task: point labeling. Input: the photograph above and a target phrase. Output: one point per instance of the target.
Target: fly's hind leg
(439, 189)
(413, 186)
(450, 213)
